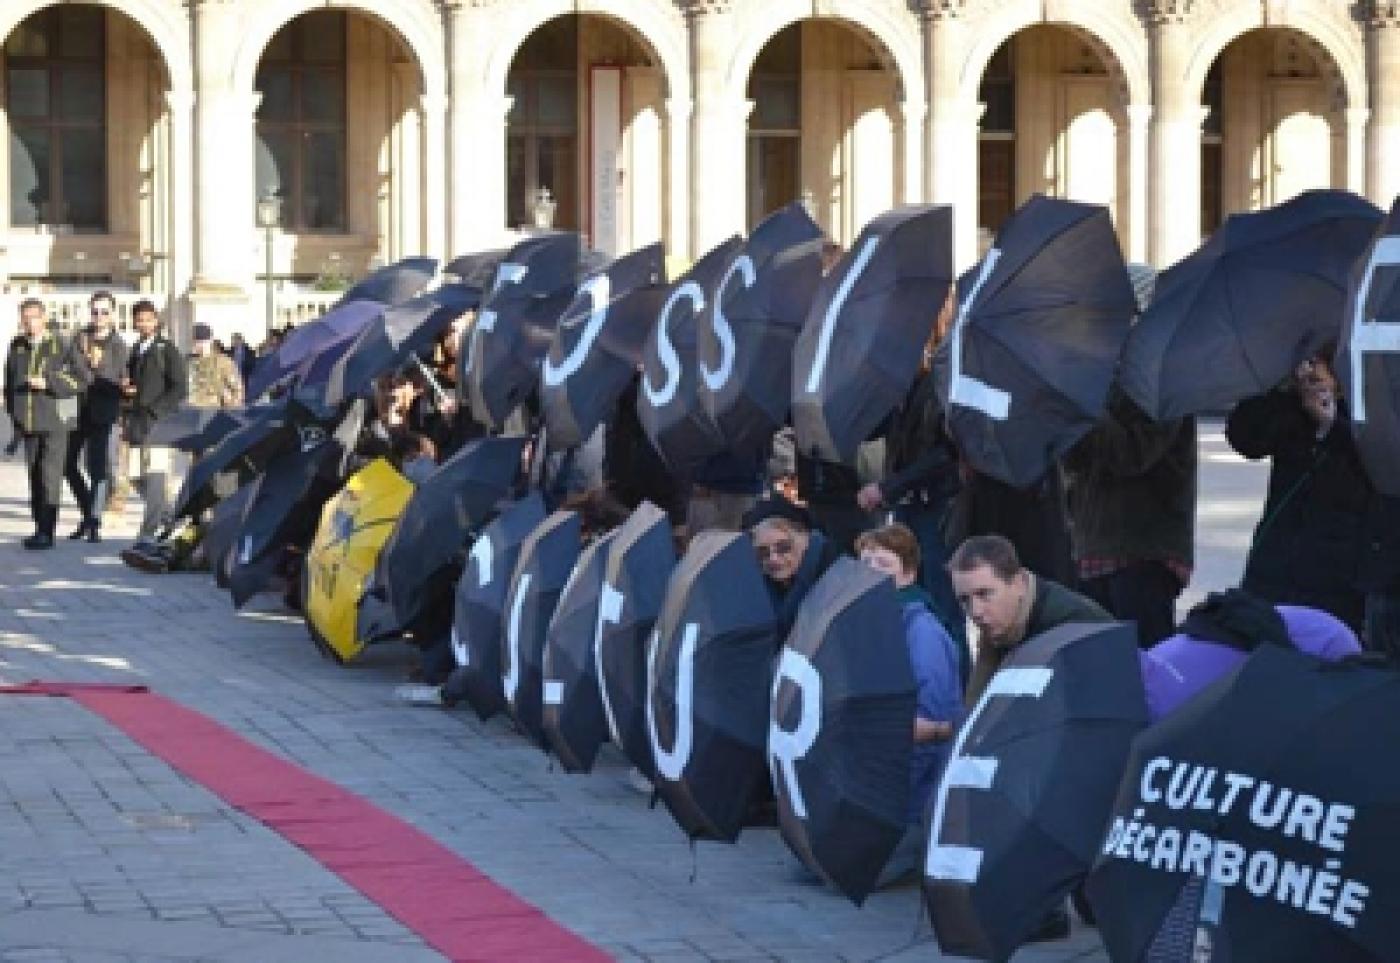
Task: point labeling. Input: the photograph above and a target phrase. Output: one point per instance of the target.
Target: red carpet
(451, 905)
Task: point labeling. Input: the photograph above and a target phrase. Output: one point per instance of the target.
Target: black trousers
(1142, 592)
(89, 449)
(44, 455)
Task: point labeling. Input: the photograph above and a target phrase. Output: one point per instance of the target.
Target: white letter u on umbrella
(671, 763)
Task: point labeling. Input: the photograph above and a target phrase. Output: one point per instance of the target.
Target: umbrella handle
(432, 381)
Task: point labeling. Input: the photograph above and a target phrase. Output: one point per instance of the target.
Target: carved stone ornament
(702, 8)
(1169, 11)
(940, 9)
(1384, 13)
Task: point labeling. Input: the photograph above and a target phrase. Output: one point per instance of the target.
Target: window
(775, 126)
(56, 98)
(1212, 153)
(301, 123)
(996, 141)
(542, 127)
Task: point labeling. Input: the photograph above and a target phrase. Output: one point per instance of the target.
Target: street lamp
(269, 216)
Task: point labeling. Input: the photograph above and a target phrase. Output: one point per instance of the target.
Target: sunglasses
(780, 547)
(104, 312)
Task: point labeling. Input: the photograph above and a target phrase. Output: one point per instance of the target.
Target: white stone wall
(1110, 111)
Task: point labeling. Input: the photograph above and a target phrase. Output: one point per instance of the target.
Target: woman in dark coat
(793, 557)
(1307, 547)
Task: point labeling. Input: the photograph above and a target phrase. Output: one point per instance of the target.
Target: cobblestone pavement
(108, 855)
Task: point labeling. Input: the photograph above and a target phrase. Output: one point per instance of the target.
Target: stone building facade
(142, 132)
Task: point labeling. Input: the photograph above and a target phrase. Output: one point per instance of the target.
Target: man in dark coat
(1307, 546)
(157, 382)
(43, 378)
(1379, 575)
(90, 446)
(1131, 492)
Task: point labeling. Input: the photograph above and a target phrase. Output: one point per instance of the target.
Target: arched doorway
(338, 140)
(824, 128)
(1274, 125)
(87, 198)
(585, 147)
(1054, 122)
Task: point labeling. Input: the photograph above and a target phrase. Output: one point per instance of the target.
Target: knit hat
(202, 332)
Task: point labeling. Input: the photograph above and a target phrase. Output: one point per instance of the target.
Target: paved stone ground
(108, 855)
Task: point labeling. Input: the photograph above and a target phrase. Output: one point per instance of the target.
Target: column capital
(914, 111)
(179, 101)
(432, 105)
(704, 8)
(1163, 12)
(1139, 115)
(1382, 13)
(1357, 116)
(679, 109)
(458, 6)
(940, 9)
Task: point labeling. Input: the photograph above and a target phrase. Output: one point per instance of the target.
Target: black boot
(98, 501)
(43, 538)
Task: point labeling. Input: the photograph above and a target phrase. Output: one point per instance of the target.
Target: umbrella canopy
(339, 324)
(214, 426)
(745, 349)
(1233, 319)
(272, 519)
(354, 526)
(841, 738)
(574, 721)
(861, 347)
(546, 561)
(533, 286)
(222, 531)
(477, 270)
(481, 600)
(1025, 371)
(1258, 821)
(247, 451)
(1368, 357)
(185, 425)
(454, 501)
(710, 669)
(640, 563)
(1018, 817)
(394, 283)
(598, 344)
(668, 401)
(397, 335)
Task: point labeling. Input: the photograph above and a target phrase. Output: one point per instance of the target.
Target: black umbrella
(394, 283)
(546, 560)
(185, 425)
(710, 669)
(476, 270)
(745, 348)
(864, 339)
(399, 335)
(1258, 821)
(454, 501)
(574, 720)
(668, 400)
(640, 563)
(221, 532)
(280, 512)
(842, 730)
(247, 451)
(1017, 819)
(598, 344)
(344, 322)
(215, 427)
(1233, 319)
(481, 600)
(1025, 372)
(533, 286)
(1368, 357)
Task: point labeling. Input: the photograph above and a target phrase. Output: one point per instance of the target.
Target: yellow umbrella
(355, 524)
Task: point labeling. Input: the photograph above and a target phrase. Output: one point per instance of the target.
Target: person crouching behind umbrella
(793, 556)
(894, 551)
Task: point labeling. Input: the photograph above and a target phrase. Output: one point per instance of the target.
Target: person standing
(215, 381)
(43, 378)
(156, 384)
(90, 445)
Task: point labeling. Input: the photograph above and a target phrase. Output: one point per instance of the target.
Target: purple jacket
(1178, 667)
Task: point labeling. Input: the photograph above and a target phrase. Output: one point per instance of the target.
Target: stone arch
(894, 37)
(1120, 46)
(164, 23)
(660, 31)
(1342, 56)
(414, 24)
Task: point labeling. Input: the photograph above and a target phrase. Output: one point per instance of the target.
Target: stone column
(433, 109)
(181, 202)
(1357, 119)
(1139, 131)
(1383, 143)
(678, 111)
(717, 133)
(950, 152)
(476, 124)
(1175, 139)
(223, 174)
(912, 114)
(4, 186)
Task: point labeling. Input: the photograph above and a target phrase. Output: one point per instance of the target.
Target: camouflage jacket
(215, 382)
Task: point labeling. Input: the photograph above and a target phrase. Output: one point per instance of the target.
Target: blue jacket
(934, 658)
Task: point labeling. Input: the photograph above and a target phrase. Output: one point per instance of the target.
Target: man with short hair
(215, 381)
(90, 445)
(156, 384)
(1008, 603)
(43, 378)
